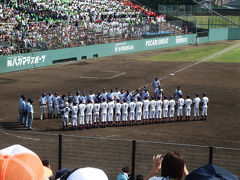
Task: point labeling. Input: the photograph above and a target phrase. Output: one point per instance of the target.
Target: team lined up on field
(87, 111)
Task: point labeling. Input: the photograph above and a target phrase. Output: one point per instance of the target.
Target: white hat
(88, 173)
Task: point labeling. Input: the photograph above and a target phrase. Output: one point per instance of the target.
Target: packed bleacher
(31, 25)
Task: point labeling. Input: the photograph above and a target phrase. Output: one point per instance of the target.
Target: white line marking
(20, 137)
(115, 76)
(200, 60)
(107, 78)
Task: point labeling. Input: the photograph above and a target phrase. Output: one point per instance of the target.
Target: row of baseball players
(86, 113)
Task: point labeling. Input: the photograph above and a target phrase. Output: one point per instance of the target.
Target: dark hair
(139, 177)
(173, 165)
(125, 169)
(45, 163)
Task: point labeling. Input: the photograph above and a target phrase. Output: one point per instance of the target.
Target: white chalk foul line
(20, 137)
(200, 60)
(107, 78)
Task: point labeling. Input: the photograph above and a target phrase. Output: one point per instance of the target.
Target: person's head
(122, 91)
(180, 96)
(125, 169)
(179, 87)
(204, 94)
(46, 163)
(43, 94)
(171, 97)
(165, 97)
(77, 93)
(50, 93)
(139, 177)
(173, 165)
(188, 96)
(197, 94)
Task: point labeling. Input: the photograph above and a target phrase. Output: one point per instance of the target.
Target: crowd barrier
(110, 155)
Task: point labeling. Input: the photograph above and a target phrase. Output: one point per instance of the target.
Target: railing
(110, 155)
(54, 35)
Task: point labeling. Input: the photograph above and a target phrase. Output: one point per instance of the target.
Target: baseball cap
(88, 173)
(18, 162)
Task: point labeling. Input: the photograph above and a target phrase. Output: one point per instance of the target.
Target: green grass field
(196, 53)
(214, 21)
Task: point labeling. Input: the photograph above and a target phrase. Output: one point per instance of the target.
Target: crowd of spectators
(27, 25)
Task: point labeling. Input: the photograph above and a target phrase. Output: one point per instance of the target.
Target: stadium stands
(32, 25)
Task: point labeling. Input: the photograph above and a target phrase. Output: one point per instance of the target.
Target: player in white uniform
(155, 84)
(65, 117)
(124, 112)
(188, 103)
(158, 109)
(205, 101)
(104, 107)
(165, 108)
(43, 106)
(132, 106)
(55, 100)
(110, 111)
(81, 114)
(96, 109)
(139, 105)
(49, 98)
(196, 105)
(153, 105)
(180, 104)
(118, 107)
(74, 111)
(89, 109)
(171, 108)
(30, 113)
(27, 108)
(146, 104)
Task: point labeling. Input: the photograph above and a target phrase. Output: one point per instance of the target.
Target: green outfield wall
(46, 58)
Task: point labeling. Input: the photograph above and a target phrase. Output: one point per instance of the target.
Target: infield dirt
(219, 80)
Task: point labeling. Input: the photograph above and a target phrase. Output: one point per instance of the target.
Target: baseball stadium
(64, 49)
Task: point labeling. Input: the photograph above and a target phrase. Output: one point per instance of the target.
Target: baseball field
(213, 68)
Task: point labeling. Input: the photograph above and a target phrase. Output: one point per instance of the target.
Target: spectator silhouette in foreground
(18, 162)
(171, 166)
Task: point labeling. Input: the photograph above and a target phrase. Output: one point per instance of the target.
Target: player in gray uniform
(76, 98)
(128, 96)
(122, 96)
(20, 109)
(30, 112)
(56, 110)
(104, 94)
(136, 95)
(145, 93)
(177, 93)
(91, 96)
(43, 106)
(155, 84)
(27, 107)
(160, 92)
(83, 98)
